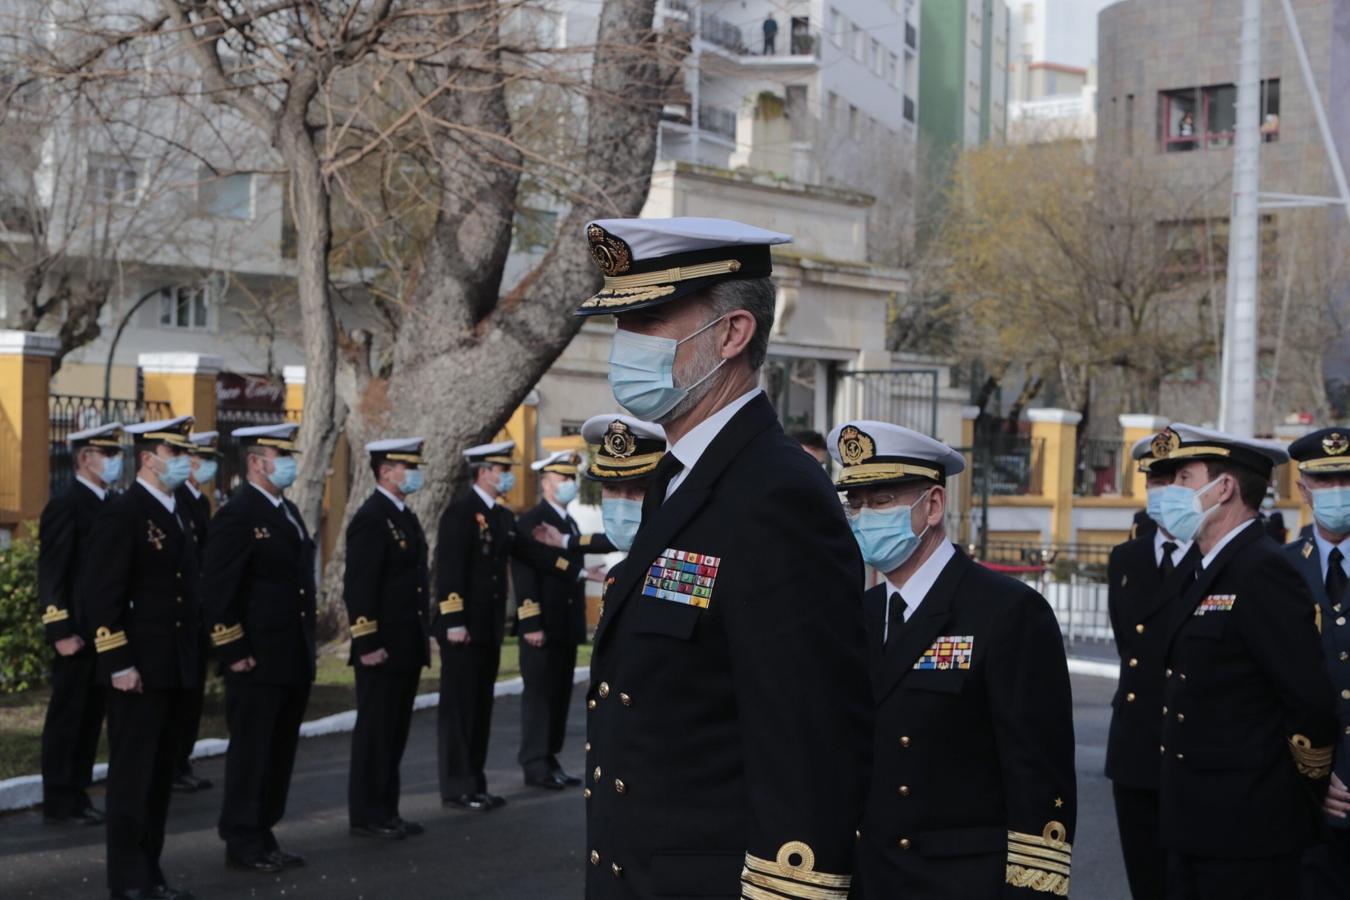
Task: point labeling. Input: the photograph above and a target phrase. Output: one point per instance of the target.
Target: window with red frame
(1205, 118)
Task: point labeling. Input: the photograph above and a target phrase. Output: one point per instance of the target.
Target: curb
(25, 791)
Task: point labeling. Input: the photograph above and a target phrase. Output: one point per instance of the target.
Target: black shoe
(190, 784)
(287, 860)
(164, 892)
(551, 782)
(492, 800)
(471, 802)
(568, 780)
(391, 831)
(262, 863)
(87, 816)
(411, 828)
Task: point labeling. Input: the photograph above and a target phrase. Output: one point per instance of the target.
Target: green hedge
(23, 651)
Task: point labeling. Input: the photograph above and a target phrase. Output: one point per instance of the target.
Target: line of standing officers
(1229, 747)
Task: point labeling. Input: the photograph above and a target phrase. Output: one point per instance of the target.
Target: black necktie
(1168, 564)
(666, 469)
(896, 620)
(1336, 578)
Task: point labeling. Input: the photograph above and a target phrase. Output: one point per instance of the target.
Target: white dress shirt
(165, 499)
(392, 499)
(192, 489)
(487, 498)
(101, 492)
(918, 585)
(1159, 539)
(1223, 542)
(1324, 548)
(689, 448)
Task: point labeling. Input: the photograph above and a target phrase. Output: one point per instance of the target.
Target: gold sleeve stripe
(54, 615)
(106, 639)
(1040, 862)
(1034, 862)
(561, 563)
(804, 873)
(754, 883)
(452, 604)
(363, 627)
(1312, 762)
(1038, 880)
(585, 541)
(221, 635)
(528, 610)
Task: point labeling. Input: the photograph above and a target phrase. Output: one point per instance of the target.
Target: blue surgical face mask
(622, 518)
(283, 472)
(1154, 506)
(412, 481)
(1180, 513)
(505, 482)
(567, 492)
(206, 470)
(176, 471)
(112, 469)
(642, 372)
(1331, 508)
(886, 536)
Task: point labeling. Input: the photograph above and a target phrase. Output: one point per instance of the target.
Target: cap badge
(619, 441)
(612, 255)
(855, 446)
(1164, 442)
(1335, 444)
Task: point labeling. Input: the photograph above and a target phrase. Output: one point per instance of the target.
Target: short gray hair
(757, 296)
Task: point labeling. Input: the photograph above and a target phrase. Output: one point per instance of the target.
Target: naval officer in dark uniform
(75, 709)
(197, 510)
(385, 590)
(973, 791)
(1248, 709)
(729, 709)
(258, 593)
(626, 451)
(1323, 459)
(477, 537)
(551, 622)
(1145, 576)
(140, 591)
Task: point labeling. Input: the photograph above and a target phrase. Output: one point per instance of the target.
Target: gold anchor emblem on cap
(1335, 444)
(1164, 442)
(855, 446)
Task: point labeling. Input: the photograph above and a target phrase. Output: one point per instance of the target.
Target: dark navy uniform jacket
(140, 591)
(1333, 618)
(973, 789)
(63, 542)
(1142, 609)
(385, 586)
(729, 708)
(1248, 709)
(546, 598)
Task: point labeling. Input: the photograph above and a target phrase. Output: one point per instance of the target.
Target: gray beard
(699, 367)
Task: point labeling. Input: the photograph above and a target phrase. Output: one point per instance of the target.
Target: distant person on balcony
(770, 35)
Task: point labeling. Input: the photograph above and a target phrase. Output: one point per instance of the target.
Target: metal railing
(1071, 577)
(69, 413)
(718, 120)
(907, 397)
(1098, 467)
(1009, 464)
(718, 31)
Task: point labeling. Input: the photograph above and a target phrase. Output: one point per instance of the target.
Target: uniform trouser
(464, 716)
(70, 733)
(192, 716)
(143, 733)
(1206, 878)
(547, 672)
(384, 705)
(264, 724)
(1326, 868)
(1145, 859)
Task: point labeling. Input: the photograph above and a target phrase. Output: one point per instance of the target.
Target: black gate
(68, 414)
(907, 397)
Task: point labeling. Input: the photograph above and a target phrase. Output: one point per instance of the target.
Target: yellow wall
(24, 426)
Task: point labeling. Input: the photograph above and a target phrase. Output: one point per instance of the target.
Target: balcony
(727, 51)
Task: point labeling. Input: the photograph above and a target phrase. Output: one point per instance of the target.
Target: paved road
(531, 849)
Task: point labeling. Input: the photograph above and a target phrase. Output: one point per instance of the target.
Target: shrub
(23, 651)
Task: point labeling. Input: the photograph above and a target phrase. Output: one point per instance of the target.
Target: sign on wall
(238, 390)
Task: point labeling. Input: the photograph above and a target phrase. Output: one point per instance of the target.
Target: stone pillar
(1285, 479)
(25, 423)
(185, 381)
(1134, 426)
(523, 428)
(967, 478)
(1056, 430)
(294, 376)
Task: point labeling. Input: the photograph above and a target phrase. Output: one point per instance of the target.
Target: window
(909, 109)
(185, 306)
(856, 41)
(226, 197)
(835, 25)
(892, 68)
(1206, 118)
(114, 180)
(854, 122)
(832, 109)
(911, 36)
(1129, 124)
(874, 56)
(1198, 248)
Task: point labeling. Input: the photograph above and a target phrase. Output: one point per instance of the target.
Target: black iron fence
(1007, 465)
(230, 473)
(69, 414)
(1071, 577)
(1099, 467)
